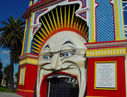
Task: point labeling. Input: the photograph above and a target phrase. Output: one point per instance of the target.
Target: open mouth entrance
(62, 86)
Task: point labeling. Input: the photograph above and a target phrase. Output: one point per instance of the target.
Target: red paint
(43, 88)
(30, 80)
(121, 91)
(37, 6)
(25, 94)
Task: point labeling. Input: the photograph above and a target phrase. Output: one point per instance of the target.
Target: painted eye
(66, 54)
(47, 57)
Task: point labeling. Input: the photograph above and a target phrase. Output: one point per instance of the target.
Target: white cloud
(5, 52)
(125, 8)
(6, 61)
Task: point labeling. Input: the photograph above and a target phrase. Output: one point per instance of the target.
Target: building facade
(74, 48)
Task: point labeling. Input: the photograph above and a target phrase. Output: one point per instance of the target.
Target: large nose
(56, 62)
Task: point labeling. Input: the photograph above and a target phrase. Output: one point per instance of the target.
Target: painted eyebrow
(68, 42)
(47, 46)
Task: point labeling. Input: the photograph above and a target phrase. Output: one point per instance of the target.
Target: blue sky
(8, 8)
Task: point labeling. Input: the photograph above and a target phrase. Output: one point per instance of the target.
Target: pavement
(3, 94)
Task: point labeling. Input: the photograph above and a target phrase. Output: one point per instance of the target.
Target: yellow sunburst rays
(61, 17)
(37, 46)
(39, 41)
(72, 19)
(86, 34)
(74, 26)
(80, 25)
(54, 20)
(48, 24)
(68, 24)
(51, 22)
(58, 21)
(47, 30)
(84, 30)
(65, 21)
(77, 25)
(46, 35)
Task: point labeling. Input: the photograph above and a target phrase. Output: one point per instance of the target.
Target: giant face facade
(62, 65)
(60, 44)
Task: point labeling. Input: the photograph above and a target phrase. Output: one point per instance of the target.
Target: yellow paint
(39, 46)
(72, 19)
(82, 30)
(58, 21)
(77, 24)
(122, 20)
(54, 20)
(39, 42)
(105, 52)
(42, 35)
(36, 51)
(48, 24)
(80, 25)
(25, 90)
(28, 45)
(61, 16)
(44, 32)
(68, 18)
(29, 61)
(92, 21)
(115, 75)
(24, 37)
(117, 27)
(36, 48)
(45, 27)
(39, 38)
(31, 2)
(51, 22)
(23, 76)
(65, 16)
(74, 26)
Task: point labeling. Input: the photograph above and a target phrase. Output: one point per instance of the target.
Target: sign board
(105, 75)
(22, 76)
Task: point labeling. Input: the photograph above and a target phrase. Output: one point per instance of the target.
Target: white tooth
(65, 80)
(69, 79)
(73, 80)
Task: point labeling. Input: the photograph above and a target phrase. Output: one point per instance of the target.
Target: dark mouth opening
(62, 86)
